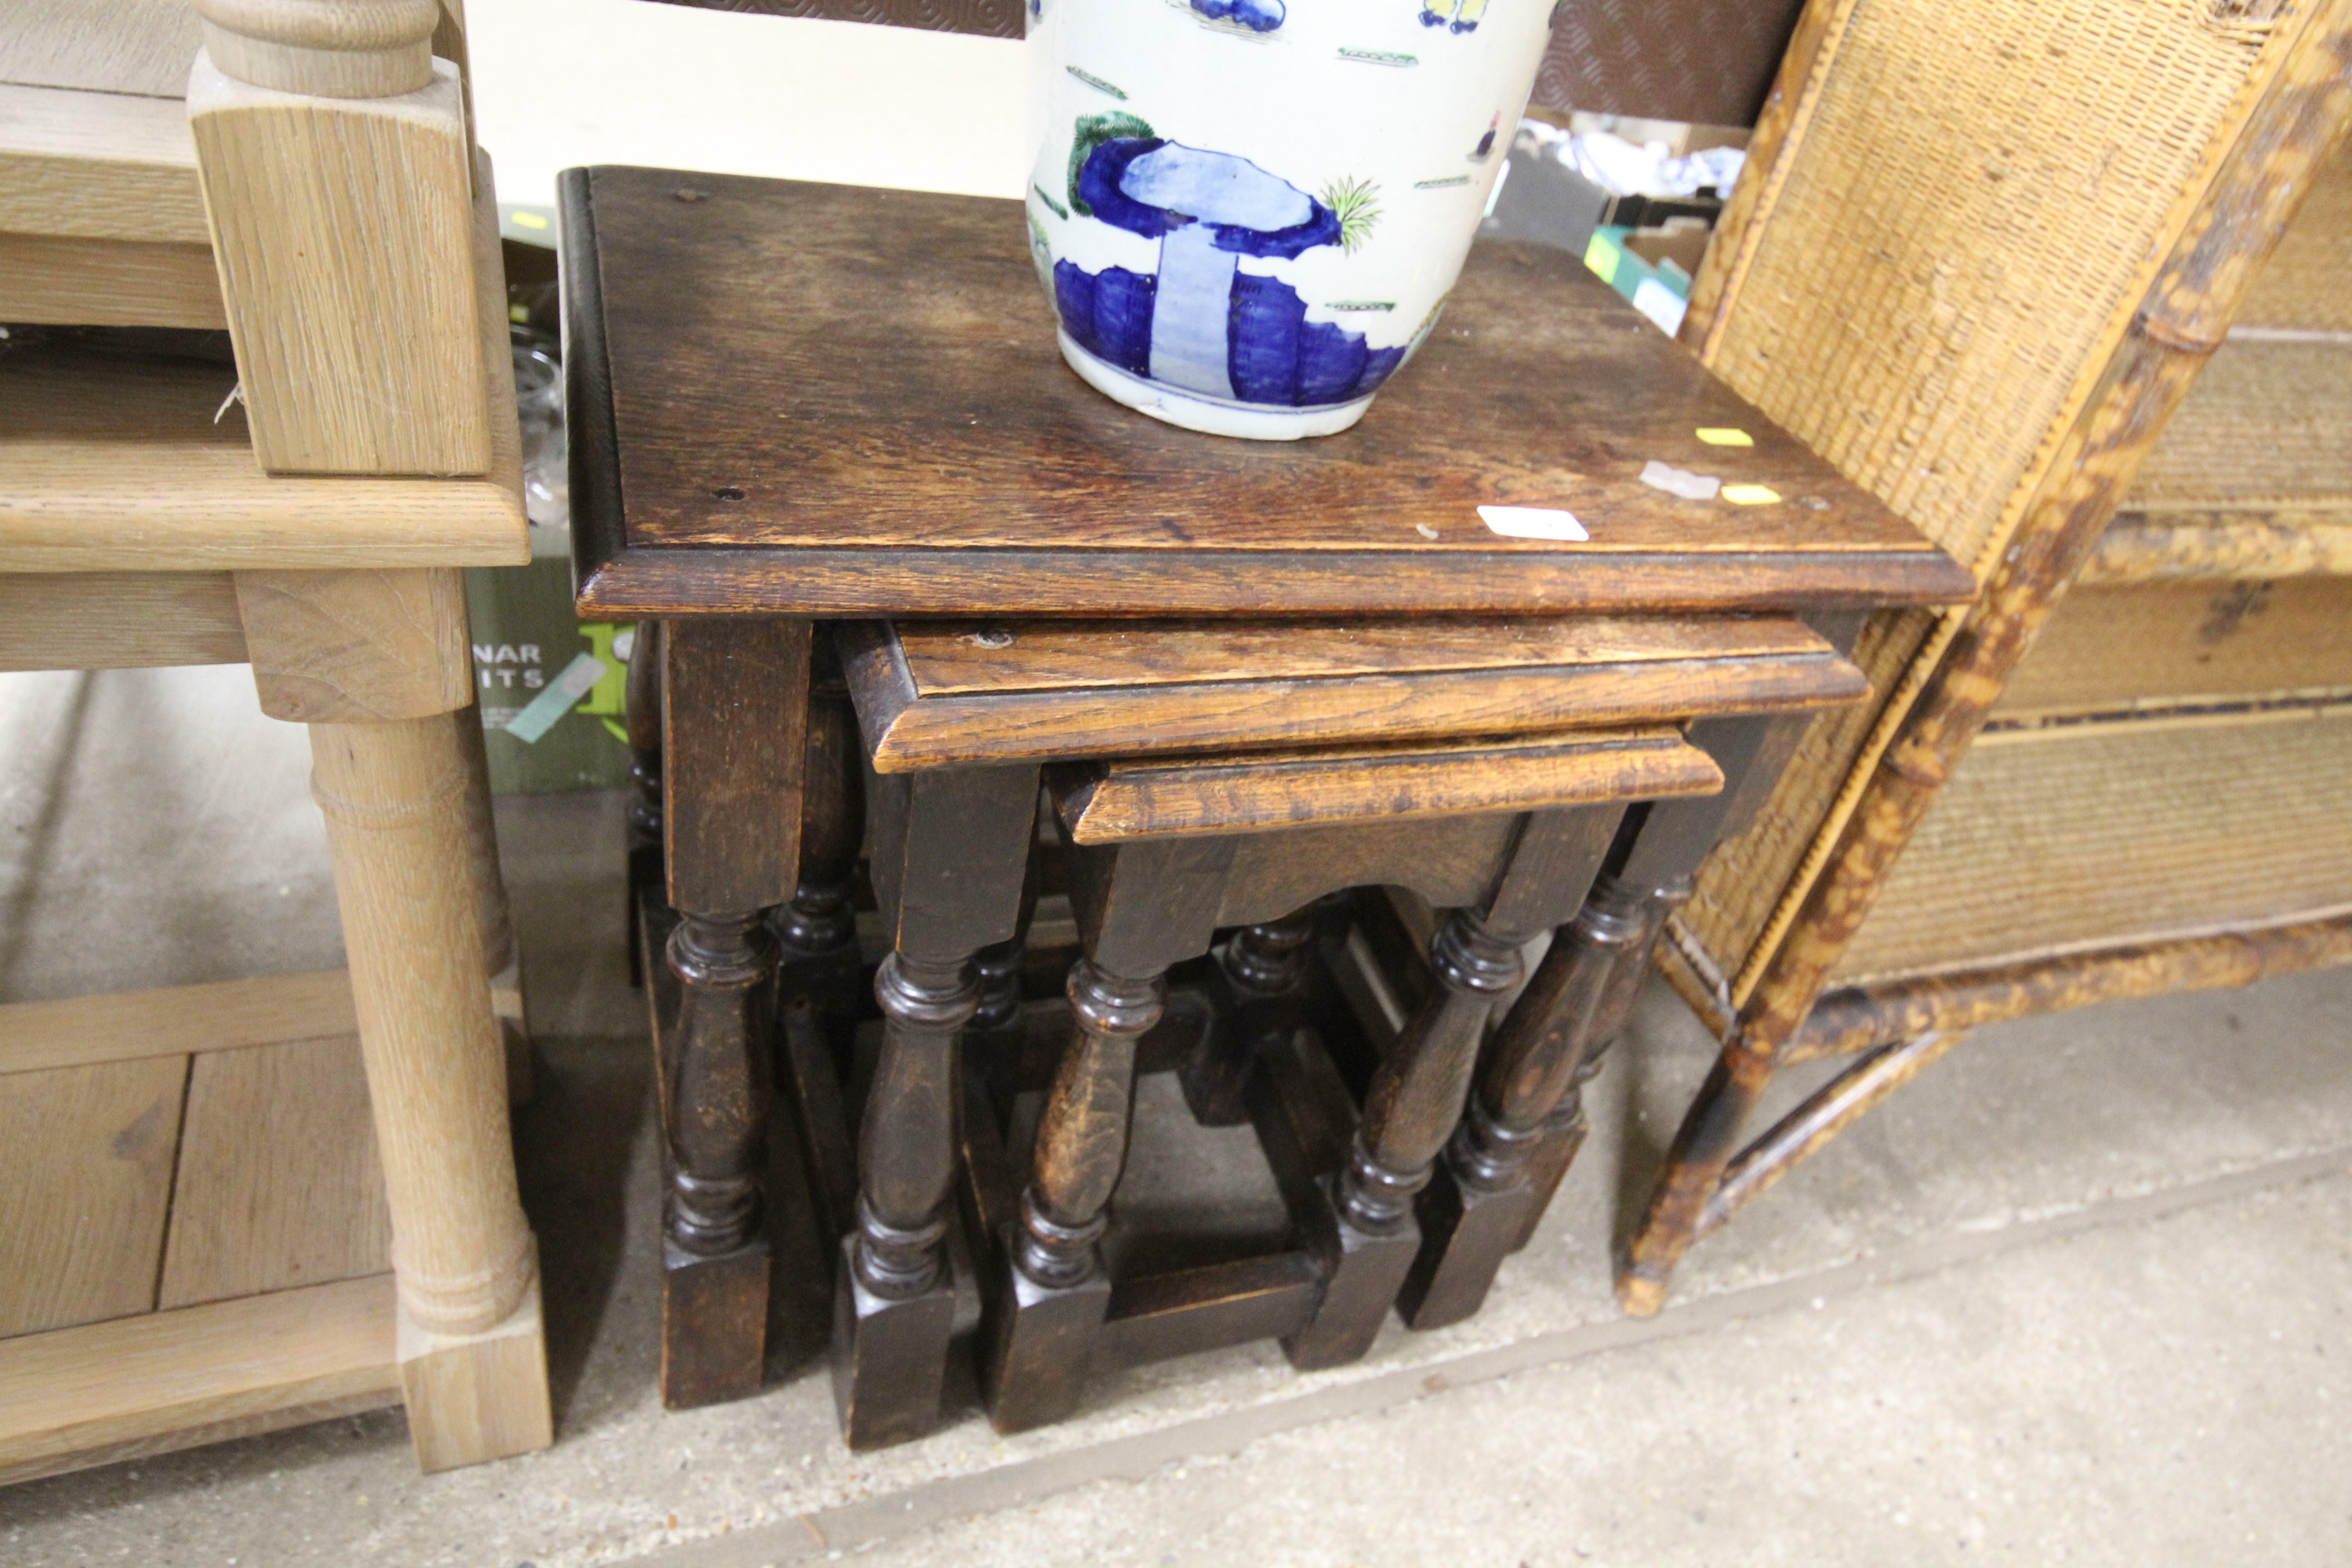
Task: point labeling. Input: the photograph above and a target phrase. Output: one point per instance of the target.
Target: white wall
(565, 82)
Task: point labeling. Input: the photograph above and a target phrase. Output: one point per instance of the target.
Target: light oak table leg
(473, 1362)
(500, 956)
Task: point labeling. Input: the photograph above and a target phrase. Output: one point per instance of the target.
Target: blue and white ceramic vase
(1249, 212)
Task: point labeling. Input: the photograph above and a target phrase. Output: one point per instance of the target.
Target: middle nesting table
(1209, 777)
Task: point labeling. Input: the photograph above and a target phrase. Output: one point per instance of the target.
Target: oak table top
(826, 400)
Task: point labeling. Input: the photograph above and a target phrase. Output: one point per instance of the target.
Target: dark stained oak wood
(714, 1308)
(1156, 1315)
(1267, 792)
(1418, 1092)
(734, 708)
(945, 693)
(733, 705)
(1259, 986)
(947, 658)
(920, 447)
(950, 856)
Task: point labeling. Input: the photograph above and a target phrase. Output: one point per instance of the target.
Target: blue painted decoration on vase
(1244, 243)
(1257, 15)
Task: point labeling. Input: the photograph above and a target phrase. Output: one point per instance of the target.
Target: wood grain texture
(175, 1020)
(2157, 645)
(330, 48)
(983, 658)
(985, 473)
(1259, 793)
(99, 166)
(102, 45)
(279, 1185)
(734, 728)
(477, 1397)
(1073, 690)
(168, 1380)
(392, 795)
(81, 1215)
(119, 620)
(74, 281)
(343, 230)
(115, 463)
(1449, 861)
(355, 648)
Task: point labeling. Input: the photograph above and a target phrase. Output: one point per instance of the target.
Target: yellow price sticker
(1751, 495)
(1724, 436)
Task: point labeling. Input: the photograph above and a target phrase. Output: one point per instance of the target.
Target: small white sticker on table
(1679, 482)
(1533, 523)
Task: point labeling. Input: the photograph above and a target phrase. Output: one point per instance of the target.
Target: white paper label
(1533, 523)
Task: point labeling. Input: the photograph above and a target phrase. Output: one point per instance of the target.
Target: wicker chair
(1982, 288)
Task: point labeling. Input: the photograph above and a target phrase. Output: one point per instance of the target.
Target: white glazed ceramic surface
(1248, 212)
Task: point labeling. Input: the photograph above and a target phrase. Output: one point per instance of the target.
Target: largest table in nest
(826, 400)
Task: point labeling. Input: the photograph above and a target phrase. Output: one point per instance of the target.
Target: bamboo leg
(472, 1364)
(1828, 1112)
(1705, 1144)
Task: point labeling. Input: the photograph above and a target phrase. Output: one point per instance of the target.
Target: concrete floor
(2079, 1294)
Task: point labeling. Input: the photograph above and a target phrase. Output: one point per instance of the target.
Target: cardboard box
(550, 687)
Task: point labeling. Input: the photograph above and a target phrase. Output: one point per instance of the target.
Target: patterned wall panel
(1710, 61)
(992, 18)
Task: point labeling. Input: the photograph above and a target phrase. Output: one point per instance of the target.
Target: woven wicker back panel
(2307, 282)
(2267, 424)
(1976, 192)
(1707, 61)
(2142, 831)
(1963, 222)
(2142, 644)
(1742, 882)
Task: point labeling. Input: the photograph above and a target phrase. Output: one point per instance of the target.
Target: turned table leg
(895, 1303)
(1260, 973)
(818, 972)
(1415, 1099)
(1418, 1092)
(734, 704)
(472, 1362)
(1524, 1102)
(375, 663)
(818, 926)
(500, 956)
(951, 853)
(1041, 1341)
